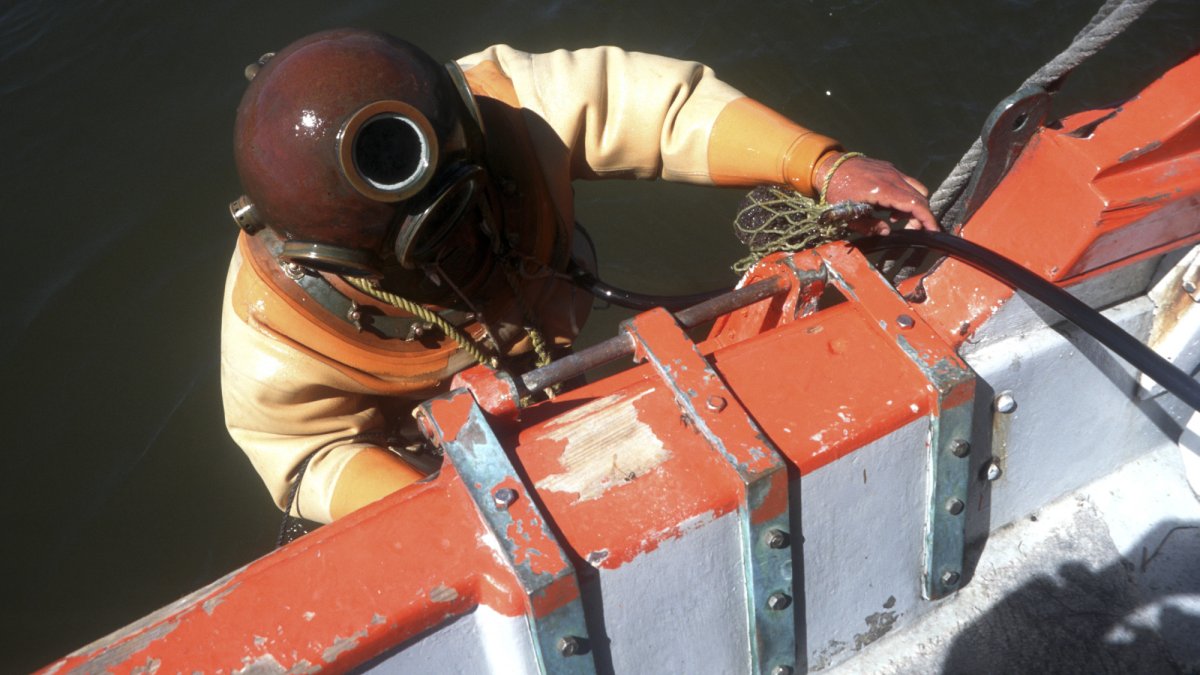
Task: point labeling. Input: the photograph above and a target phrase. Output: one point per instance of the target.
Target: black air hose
(640, 301)
(1094, 323)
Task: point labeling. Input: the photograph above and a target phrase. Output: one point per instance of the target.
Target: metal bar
(620, 345)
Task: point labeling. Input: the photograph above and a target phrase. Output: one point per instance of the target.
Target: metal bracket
(713, 411)
(557, 627)
(952, 384)
(1005, 133)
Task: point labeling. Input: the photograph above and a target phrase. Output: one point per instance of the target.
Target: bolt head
(779, 601)
(955, 506)
(960, 448)
(716, 403)
(1005, 402)
(992, 471)
(950, 578)
(570, 645)
(782, 670)
(504, 497)
(777, 538)
(905, 321)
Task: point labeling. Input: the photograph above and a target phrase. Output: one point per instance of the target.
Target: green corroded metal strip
(950, 422)
(560, 636)
(766, 552)
(946, 519)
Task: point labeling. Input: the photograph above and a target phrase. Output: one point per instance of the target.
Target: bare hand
(879, 183)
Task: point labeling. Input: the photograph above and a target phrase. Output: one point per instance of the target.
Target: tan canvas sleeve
(614, 113)
(282, 405)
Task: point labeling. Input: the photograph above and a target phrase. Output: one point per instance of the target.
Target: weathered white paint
(1081, 435)
(1189, 450)
(1175, 334)
(483, 641)
(863, 519)
(1133, 535)
(679, 608)
(606, 445)
(1077, 417)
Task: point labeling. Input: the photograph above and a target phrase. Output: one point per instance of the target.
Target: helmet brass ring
(387, 150)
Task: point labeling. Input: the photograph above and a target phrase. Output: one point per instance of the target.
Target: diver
(405, 219)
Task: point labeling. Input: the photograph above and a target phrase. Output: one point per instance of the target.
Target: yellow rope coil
(468, 345)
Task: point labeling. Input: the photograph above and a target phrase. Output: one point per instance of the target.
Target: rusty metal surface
(618, 346)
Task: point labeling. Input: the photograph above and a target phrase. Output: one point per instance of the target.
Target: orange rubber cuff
(751, 144)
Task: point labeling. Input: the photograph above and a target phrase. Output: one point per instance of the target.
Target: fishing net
(772, 218)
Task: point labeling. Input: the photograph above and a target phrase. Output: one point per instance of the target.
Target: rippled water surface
(121, 490)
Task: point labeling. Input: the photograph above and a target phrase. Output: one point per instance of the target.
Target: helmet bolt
(245, 215)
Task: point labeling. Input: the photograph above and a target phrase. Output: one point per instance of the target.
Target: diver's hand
(880, 184)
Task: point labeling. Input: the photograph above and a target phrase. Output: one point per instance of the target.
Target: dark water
(120, 489)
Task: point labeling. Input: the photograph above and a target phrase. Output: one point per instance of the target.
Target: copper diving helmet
(359, 152)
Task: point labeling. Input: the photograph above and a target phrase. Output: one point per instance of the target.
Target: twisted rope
(1109, 21)
(468, 345)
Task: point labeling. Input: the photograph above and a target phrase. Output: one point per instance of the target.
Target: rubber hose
(641, 301)
(1093, 322)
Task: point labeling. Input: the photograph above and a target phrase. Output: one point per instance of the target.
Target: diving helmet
(360, 153)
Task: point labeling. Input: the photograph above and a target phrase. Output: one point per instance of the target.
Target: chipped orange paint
(634, 517)
(1135, 196)
(532, 547)
(848, 398)
(776, 501)
(451, 413)
(337, 596)
(712, 401)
